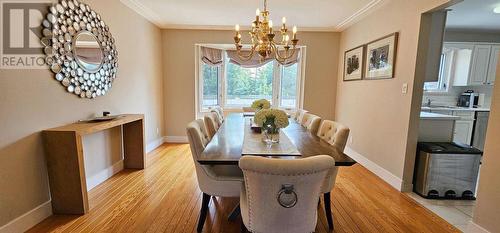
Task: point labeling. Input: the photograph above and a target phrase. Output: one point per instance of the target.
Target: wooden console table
(64, 153)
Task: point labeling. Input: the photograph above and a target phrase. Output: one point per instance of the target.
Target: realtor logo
(21, 33)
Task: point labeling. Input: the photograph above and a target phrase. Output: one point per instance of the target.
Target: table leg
(234, 214)
(133, 145)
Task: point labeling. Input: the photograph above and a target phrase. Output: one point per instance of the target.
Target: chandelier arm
(246, 57)
(287, 56)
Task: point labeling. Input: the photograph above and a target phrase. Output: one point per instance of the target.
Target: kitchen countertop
(456, 109)
(436, 116)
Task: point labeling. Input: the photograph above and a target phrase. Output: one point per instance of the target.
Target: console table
(64, 154)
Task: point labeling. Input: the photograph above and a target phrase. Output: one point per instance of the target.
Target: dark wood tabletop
(226, 145)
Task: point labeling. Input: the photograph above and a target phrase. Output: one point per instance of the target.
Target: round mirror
(87, 51)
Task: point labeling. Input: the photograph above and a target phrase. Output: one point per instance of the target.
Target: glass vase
(270, 136)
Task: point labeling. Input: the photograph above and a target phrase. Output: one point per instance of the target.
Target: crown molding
(358, 15)
(154, 18)
(144, 11)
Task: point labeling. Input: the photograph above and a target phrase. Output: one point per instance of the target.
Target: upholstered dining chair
(336, 135)
(248, 109)
(299, 115)
(311, 122)
(220, 113)
(282, 195)
(213, 123)
(222, 181)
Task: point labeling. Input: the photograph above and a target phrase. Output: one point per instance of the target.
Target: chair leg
(203, 212)
(328, 210)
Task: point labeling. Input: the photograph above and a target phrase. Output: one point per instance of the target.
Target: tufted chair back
(311, 122)
(282, 195)
(220, 114)
(209, 180)
(336, 135)
(299, 115)
(213, 123)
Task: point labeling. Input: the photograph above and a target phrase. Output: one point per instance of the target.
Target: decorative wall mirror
(79, 49)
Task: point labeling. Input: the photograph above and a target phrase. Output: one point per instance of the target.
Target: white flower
(261, 104)
(277, 118)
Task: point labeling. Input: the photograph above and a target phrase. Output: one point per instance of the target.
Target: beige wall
(179, 65)
(487, 209)
(377, 111)
(31, 100)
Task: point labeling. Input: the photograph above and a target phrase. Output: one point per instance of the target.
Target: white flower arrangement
(261, 104)
(271, 118)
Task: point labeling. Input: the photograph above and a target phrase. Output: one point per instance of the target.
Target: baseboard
(474, 228)
(29, 219)
(104, 175)
(176, 139)
(155, 144)
(385, 175)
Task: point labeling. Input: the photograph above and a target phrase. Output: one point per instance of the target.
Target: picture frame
(354, 63)
(380, 59)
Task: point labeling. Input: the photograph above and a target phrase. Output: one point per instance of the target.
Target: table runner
(253, 145)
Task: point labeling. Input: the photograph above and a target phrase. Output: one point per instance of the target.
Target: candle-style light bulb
(270, 23)
(257, 12)
(237, 27)
(283, 20)
(294, 32)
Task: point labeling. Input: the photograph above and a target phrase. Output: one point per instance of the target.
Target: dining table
(226, 146)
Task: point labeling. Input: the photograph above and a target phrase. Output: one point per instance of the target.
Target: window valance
(211, 56)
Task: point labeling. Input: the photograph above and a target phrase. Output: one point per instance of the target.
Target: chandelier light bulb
(257, 12)
(270, 23)
(283, 20)
(294, 29)
(237, 27)
(287, 38)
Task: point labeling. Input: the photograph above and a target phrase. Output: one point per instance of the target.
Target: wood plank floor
(165, 198)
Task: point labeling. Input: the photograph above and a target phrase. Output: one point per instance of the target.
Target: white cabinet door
(480, 62)
(492, 69)
(463, 132)
(462, 60)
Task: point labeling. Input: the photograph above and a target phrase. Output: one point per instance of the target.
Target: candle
(257, 13)
(294, 32)
(270, 26)
(237, 27)
(283, 20)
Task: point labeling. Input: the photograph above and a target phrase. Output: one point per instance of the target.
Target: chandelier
(263, 39)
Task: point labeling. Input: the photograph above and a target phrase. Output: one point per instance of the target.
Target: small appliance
(468, 99)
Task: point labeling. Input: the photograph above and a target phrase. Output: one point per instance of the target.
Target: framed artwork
(381, 57)
(353, 64)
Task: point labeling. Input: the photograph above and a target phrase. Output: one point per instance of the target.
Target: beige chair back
(220, 114)
(299, 115)
(336, 135)
(268, 202)
(213, 123)
(311, 122)
(210, 178)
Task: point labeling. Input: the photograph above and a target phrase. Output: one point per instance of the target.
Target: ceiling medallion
(262, 39)
(79, 49)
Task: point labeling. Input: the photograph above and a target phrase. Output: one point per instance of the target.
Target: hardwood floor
(165, 198)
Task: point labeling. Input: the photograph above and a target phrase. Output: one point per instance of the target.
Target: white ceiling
(314, 15)
(474, 15)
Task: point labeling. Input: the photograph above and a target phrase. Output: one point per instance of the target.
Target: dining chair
(311, 122)
(248, 109)
(220, 113)
(336, 135)
(212, 123)
(299, 115)
(282, 195)
(217, 180)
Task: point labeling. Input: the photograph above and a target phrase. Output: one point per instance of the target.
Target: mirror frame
(66, 20)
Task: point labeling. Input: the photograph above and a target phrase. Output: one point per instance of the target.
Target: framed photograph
(353, 64)
(381, 57)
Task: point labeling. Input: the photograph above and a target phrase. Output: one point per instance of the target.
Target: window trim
(277, 74)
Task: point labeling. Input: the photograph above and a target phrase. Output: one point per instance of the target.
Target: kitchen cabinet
(473, 64)
(492, 69)
(463, 131)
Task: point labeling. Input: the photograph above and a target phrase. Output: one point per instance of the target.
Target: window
(288, 90)
(244, 85)
(210, 85)
(444, 74)
(232, 86)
